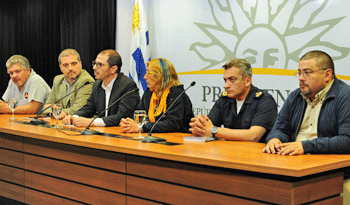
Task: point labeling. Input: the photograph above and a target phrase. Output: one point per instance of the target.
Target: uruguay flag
(140, 53)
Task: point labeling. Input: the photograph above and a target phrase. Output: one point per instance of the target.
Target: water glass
(139, 117)
(56, 112)
(13, 103)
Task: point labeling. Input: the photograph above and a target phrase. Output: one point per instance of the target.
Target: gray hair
(68, 52)
(18, 59)
(241, 64)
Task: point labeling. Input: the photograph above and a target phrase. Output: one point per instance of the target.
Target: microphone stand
(87, 131)
(37, 121)
(152, 139)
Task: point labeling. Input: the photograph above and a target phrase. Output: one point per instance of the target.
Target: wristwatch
(214, 130)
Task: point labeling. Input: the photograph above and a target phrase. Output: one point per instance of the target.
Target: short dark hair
(323, 60)
(114, 58)
(241, 64)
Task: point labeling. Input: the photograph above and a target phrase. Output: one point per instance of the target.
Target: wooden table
(43, 166)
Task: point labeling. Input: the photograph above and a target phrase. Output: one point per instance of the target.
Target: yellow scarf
(152, 112)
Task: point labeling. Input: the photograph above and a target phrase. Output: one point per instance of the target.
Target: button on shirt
(308, 128)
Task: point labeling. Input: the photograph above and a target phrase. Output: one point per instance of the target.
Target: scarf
(152, 112)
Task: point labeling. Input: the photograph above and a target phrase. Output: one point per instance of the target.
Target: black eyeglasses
(98, 65)
(307, 73)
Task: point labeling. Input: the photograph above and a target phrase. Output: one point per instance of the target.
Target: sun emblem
(268, 34)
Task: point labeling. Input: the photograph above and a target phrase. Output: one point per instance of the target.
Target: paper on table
(198, 139)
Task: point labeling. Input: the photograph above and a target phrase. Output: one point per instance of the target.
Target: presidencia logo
(268, 34)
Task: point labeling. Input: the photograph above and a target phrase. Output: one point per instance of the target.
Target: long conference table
(40, 165)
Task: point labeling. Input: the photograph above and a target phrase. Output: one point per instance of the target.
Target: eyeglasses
(98, 65)
(150, 72)
(307, 73)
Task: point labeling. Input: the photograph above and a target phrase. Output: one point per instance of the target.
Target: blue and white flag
(140, 52)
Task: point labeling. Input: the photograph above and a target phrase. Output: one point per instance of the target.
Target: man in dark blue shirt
(246, 112)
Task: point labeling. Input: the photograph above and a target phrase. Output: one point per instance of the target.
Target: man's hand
(68, 120)
(291, 148)
(198, 125)
(208, 126)
(271, 146)
(62, 115)
(3, 107)
(128, 125)
(82, 121)
(201, 125)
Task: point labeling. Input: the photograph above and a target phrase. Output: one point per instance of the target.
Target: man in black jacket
(110, 85)
(246, 112)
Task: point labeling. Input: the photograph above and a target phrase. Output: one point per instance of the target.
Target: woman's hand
(128, 125)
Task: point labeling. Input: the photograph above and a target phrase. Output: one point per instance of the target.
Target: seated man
(73, 77)
(315, 118)
(29, 88)
(246, 112)
(110, 85)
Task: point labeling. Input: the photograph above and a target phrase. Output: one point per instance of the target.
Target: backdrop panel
(200, 36)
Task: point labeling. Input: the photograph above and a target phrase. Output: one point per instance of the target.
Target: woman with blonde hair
(163, 88)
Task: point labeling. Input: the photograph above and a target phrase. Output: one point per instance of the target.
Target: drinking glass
(139, 117)
(13, 102)
(56, 111)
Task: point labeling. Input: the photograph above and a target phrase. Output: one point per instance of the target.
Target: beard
(306, 90)
(72, 75)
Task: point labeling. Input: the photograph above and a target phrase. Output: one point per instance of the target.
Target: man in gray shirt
(29, 88)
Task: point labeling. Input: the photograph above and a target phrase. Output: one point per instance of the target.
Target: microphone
(152, 139)
(87, 131)
(36, 121)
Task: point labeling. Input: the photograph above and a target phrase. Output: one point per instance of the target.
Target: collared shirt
(68, 86)
(108, 89)
(239, 105)
(308, 128)
(35, 88)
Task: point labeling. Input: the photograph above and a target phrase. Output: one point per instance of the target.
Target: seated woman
(163, 88)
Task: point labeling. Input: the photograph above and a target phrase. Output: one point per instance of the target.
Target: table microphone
(87, 131)
(36, 121)
(152, 139)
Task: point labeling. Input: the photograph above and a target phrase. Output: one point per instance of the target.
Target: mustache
(304, 83)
